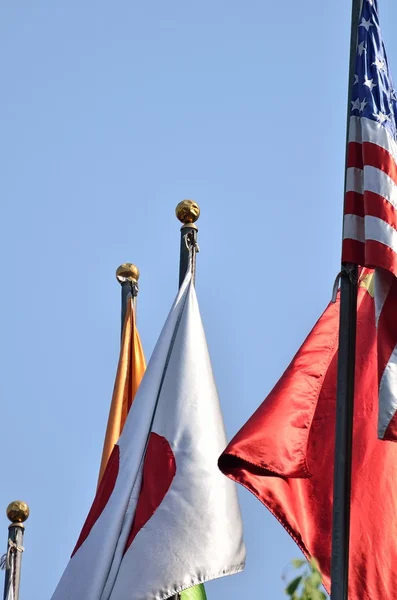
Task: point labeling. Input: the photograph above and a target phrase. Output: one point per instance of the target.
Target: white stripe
(369, 228)
(355, 180)
(378, 182)
(366, 130)
(382, 284)
(371, 180)
(354, 228)
(388, 394)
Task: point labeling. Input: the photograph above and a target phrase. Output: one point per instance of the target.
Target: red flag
(284, 455)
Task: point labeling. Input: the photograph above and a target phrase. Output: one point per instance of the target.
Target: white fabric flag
(164, 518)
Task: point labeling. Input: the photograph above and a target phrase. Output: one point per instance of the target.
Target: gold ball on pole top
(17, 511)
(127, 272)
(187, 212)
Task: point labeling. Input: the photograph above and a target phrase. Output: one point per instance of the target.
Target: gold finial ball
(127, 272)
(17, 511)
(187, 211)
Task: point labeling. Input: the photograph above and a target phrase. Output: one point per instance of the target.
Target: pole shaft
(13, 574)
(343, 437)
(127, 288)
(345, 388)
(191, 232)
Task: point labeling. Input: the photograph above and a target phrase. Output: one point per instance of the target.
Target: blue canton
(373, 93)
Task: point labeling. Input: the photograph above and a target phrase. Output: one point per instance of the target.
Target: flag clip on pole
(345, 386)
(187, 212)
(127, 275)
(17, 513)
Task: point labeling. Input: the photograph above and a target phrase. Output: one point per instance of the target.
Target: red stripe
(372, 155)
(375, 156)
(379, 255)
(370, 204)
(371, 254)
(355, 155)
(354, 204)
(377, 206)
(353, 251)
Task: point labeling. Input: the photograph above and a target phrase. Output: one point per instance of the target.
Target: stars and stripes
(370, 215)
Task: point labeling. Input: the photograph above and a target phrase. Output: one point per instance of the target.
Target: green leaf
(293, 586)
(298, 562)
(315, 579)
(194, 593)
(308, 585)
(315, 595)
(314, 564)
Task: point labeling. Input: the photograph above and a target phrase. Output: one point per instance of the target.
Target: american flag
(370, 214)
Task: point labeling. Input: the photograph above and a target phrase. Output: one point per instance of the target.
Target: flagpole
(17, 513)
(127, 275)
(345, 387)
(187, 212)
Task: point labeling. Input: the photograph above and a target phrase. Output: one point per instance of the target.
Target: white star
(355, 104)
(355, 79)
(380, 64)
(366, 24)
(381, 117)
(363, 105)
(361, 48)
(393, 95)
(370, 84)
(371, 2)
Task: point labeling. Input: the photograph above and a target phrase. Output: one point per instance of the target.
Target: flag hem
(291, 532)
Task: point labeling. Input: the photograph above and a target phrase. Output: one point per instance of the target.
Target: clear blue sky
(110, 114)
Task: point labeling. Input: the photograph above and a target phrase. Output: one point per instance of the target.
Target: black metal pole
(345, 389)
(127, 275)
(17, 513)
(343, 434)
(187, 212)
